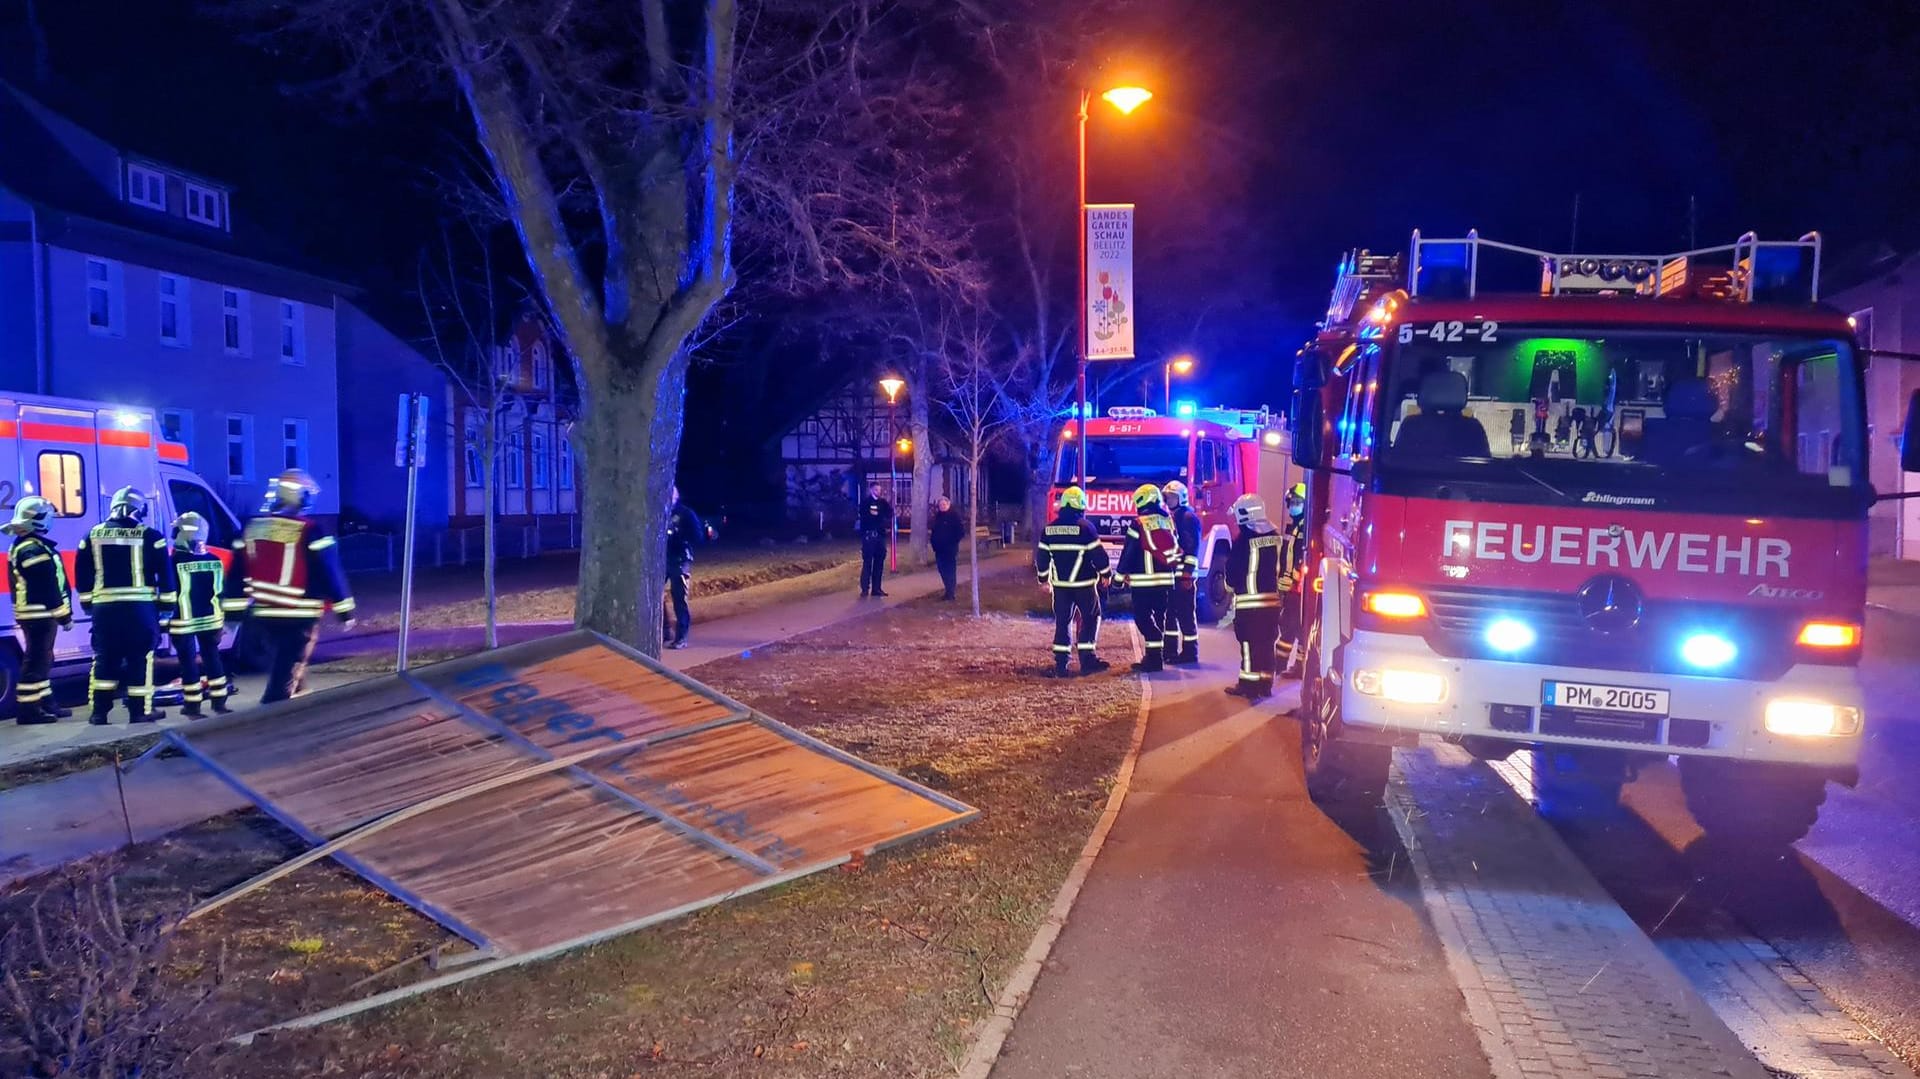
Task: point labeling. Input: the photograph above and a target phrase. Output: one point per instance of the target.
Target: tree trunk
(973, 527)
(1039, 480)
(920, 543)
(629, 447)
(489, 491)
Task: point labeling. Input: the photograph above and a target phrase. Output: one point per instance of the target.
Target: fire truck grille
(1564, 637)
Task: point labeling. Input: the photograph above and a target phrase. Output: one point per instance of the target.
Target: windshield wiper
(1528, 473)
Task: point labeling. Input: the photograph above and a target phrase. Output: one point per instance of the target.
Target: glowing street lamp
(892, 385)
(1181, 365)
(1125, 99)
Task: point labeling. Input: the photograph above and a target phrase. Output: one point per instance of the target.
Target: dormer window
(146, 187)
(206, 205)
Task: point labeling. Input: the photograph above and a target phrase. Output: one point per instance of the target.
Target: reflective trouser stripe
(193, 692)
(217, 687)
(145, 687)
(1062, 649)
(29, 692)
(1246, 663)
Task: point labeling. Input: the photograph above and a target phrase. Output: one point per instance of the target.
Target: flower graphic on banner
(1109, 311)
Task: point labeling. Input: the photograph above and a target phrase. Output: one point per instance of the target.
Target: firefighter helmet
(1248, 509)
(1176, 493)
(1146, 495)
(30, 515)
(1073, 498)
(291, 492)
(189, 530)
(129, 503)
(1296, 500)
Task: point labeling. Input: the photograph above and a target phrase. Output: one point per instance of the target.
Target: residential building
(124, 278)
(852, 439)
(529, 396)
(1885, 308)
(376, 367)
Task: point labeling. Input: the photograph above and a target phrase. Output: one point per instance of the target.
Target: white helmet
(189, 530)
(30, 515)
(1248, 509)
(128, 502)
(291, 493)
(1176, 493)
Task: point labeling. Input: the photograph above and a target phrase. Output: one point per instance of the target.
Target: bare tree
(979, 378)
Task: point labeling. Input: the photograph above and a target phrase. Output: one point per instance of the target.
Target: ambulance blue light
(1708, 651)
(1184, 409)
(1510, 635)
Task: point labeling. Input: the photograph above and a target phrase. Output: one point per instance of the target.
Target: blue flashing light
(1184, 409)
(1708, 651)
(1510, 635)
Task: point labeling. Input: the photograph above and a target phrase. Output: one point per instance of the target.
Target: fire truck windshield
(1611, 410)
(1126, 461)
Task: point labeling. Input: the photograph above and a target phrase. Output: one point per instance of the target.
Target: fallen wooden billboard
(553, 794)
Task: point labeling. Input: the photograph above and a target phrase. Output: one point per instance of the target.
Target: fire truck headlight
(1811, 719)
(1271, 438)
(1708, 651)
(1510, 635)
(1401, 686)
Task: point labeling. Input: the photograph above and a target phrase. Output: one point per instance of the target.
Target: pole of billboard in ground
(409, 452)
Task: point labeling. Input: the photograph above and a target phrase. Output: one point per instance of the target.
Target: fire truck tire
(1754, 806)
(1337, 772)
(1569, 784)
(1214, 600)
(9, 679)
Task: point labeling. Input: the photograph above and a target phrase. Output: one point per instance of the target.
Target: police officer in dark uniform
(286, 573)
(41, 605)
(122, 570)
(1148, 562)
(1255, 574)
(1070, 560)
(1183, 616)
(684, 529)
(875, 523)
(194, 618)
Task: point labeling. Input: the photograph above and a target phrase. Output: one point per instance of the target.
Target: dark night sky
(1283, 134)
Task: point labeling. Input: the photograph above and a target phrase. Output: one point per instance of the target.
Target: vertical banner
(1109, 296)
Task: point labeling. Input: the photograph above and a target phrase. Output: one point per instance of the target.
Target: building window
(207, 206)
(233, 321)
(566, 463)
(174, 320)
(542, 366)
(146, 187)
(104, 306)
(239, 447)
(293, 332)
(475, 453)
(176, 425)
(508, 369)
(63, 482)
(542, 463)
(293, 443)
(516, 461)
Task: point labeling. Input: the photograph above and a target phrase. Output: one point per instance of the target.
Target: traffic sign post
(409, 452)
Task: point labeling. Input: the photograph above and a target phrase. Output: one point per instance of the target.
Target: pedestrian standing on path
(684, 529)
(946, 529)
(122, 569)
(286, 573)
(42, 605)
(1183, 611)
(1070, 561)
(1256, 572)
(1148, 562)
(875, 523)
(194, 619)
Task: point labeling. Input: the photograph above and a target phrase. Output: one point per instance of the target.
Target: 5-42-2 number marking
(1451, 332)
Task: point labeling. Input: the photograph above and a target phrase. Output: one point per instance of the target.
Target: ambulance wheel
(251, 653)
(1337, 771)
(9, 680)
(1572, 783)
(1752, 806)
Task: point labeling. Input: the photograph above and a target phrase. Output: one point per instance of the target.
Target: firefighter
(1148, 563)
(684, 529)
(875, 524)
(1293, 579)
(1255, 575)
(42, 606)
(194, 618)
(122, 570)
(286, 573)
(1183, 617)
(1071, 562)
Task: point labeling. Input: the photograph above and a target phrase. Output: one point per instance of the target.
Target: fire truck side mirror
(1910, 437)
(1306, 420)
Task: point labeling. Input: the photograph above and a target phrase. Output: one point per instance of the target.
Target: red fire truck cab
(1614, 519)
(1219, 453)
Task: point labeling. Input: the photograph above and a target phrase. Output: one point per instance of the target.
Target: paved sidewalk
(1229, 929)
(1894, 586)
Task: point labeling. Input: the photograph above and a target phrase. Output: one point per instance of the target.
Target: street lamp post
(1126, 99)
(1179, 365)
(892, 386)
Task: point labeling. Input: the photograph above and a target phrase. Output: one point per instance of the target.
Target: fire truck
(1219, 453)
(1609, 509)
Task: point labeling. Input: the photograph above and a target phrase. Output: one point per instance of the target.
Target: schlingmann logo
(1618, 500)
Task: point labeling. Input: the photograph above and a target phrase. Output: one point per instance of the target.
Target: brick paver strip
(1558, 980)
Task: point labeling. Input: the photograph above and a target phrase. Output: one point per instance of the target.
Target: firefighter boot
(143, 713)
(1060, 669)
(1189, 653)
(1092, 665)
(35, 713)
(1150, 665)
(192, 710)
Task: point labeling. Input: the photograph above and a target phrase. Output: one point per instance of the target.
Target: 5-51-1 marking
(1451, 331)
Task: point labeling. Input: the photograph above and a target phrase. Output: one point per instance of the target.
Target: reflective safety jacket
(287, 567)
(1256, 567)
(122, 561)
(1069, 554)
(39, 581)
(1186, 528)
(1151, 556)
(195, 606)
